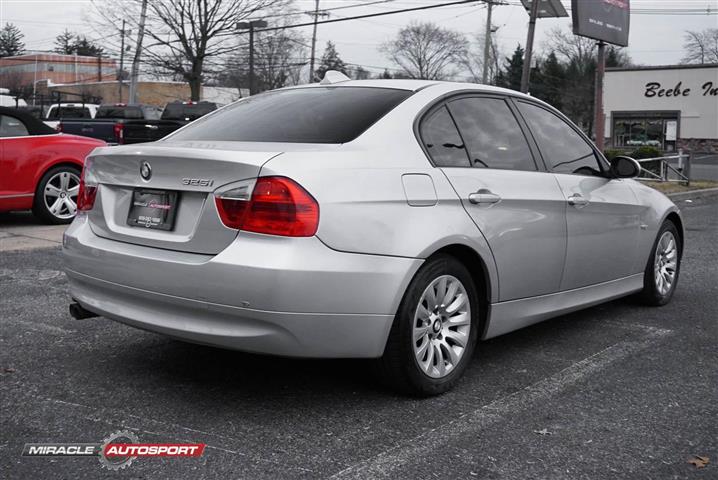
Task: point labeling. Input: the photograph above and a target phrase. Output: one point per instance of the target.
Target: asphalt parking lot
(616, 391)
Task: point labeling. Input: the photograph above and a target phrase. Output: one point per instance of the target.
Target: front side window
(493, 136)
(563, 149)
(12, 127)
(299, 115)
(442, 140)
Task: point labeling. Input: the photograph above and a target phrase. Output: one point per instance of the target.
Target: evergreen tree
(330, 61)
(65, 42)
(11, 41)
(83, 46)
(549, 81)
(510, 75)
(69, 43)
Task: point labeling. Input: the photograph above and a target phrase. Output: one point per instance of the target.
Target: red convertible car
(40, 168)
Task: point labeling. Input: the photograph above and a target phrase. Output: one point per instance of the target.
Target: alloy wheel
(665, 263)
(60, 194)
(442, 323)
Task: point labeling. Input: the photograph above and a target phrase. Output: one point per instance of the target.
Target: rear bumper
(275, 295)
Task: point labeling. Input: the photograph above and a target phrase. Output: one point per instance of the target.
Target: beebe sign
(606, 20)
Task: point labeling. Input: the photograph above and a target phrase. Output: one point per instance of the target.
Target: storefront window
(646, 129)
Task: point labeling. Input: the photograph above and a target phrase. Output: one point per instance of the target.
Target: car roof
(416, 85)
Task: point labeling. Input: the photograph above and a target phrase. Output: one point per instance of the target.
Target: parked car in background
(109, 122)
(400, 220)
(174, 116)
(60, 111)
(40, 168)
(7, 100)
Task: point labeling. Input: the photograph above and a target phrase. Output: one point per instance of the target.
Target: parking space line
(118, 419)
(391, 462)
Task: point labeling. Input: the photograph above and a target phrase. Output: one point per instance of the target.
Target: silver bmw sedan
(399, 220)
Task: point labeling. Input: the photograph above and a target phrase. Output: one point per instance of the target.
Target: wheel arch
(674, 217)
(478, 269)
(70, 162)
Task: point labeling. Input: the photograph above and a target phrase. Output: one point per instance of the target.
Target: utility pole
(251, 25)
(526, 73)
(487, 43)
(99, 67)
(598, 122)
(138, 53)
(316, 14)
(122, 61)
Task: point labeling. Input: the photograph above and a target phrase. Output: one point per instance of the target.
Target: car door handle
(577, 200)
(484, 196)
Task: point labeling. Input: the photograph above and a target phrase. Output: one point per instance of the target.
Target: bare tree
(427, 51)
(701, 47)
(185, 35)
(473, 60)
(279, 57)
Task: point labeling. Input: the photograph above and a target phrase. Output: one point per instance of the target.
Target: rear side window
(303, 115)
(179, 111)
(563, 149)
(69, 112)
(120, 112)
(492, 133)
(12, 127)
(442, 140)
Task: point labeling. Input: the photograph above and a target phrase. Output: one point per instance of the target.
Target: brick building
(27, 69)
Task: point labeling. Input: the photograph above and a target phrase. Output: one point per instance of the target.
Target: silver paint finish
(602, 233)
(526, 230)
(545, 250)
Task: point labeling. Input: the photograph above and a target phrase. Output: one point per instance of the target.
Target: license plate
(153, 209)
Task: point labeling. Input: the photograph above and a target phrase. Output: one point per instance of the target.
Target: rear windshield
(304, 115)
(181, 111)
(69, 112)
(119, 112)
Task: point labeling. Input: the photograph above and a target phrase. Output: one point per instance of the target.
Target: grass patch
(671, 187)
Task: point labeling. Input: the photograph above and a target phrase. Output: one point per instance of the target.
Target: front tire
(661, 275)
(435, 331)
(56, 195)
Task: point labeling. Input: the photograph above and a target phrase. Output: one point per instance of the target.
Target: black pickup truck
(174, 116)
(109, 122)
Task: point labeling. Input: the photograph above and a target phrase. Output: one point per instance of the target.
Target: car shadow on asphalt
(507, 362)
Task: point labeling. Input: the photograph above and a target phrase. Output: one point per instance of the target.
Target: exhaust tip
(79, 313)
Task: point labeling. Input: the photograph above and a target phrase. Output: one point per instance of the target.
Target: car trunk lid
(186, 175)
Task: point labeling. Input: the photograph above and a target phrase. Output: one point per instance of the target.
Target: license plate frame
(153, 209)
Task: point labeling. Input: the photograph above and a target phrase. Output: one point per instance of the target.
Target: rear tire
(55, 199)
(432, 339)
(664, 265)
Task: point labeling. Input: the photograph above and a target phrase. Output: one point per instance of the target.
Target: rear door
(16, 169)
(602, 213)
(520, 210)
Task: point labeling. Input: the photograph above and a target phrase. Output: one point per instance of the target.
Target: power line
(368, 15)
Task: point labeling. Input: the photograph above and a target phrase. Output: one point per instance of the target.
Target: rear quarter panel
(363, 206)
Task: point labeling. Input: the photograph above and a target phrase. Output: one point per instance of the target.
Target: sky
(655, 39)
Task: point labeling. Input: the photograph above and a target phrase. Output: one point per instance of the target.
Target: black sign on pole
(604, 20)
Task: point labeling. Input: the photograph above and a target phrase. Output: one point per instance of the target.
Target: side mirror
(625, 167)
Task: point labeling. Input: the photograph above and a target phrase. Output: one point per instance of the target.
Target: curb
(702, 193)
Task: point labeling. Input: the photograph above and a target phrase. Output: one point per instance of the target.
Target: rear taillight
(277, 206)
(88, 189)
(119, 130)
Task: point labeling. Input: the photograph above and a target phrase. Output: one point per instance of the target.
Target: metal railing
(681, 173)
